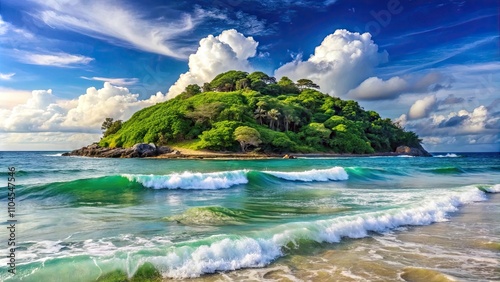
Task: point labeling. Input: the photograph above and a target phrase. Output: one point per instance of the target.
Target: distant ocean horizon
(309, 219)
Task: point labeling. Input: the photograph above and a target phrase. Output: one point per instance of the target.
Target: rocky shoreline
(140, 150)
(143, 150)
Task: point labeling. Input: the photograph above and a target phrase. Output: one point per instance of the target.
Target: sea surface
(318, 219)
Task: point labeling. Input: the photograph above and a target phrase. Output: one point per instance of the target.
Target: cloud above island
(474, 127)
(45, 112)
(375, 88)
(340, 63)
(440, 127)
(230, 50)
(421, 108)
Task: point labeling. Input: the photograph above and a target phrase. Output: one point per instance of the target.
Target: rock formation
(412, 151)
(140, 150)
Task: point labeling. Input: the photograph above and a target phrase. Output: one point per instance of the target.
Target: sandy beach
(182, 153)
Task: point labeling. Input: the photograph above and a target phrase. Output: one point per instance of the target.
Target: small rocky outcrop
(287, 156)
(412, 151)
(141, 150)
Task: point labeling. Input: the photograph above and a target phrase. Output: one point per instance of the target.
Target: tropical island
(239, 114)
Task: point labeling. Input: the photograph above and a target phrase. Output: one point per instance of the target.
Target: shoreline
(242, 156)
(151, 151)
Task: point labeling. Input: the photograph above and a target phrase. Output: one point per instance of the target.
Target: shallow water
(338, 219)
(466, 248)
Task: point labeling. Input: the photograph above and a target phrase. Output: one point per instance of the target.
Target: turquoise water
(190, 218)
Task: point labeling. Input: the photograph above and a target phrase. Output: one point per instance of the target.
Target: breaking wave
(190, 180)
(226, 179)
(236, 252)
(449, 155)
(334, 173)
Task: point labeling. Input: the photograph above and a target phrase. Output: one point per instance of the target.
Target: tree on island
(227, 81)
(260, 114)
(205, 112)
(288, 86)
(273, 116)
(191, 90)
(110, 127)
(247, 136)
(306, 83)
(108, 122)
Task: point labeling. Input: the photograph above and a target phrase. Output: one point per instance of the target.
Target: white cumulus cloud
(422, 108)
(340, 63)
(478, 126)
(44, 112)
(479, 120)
(374, 88)
(216, 54)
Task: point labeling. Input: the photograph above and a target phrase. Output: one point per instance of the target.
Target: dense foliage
(241, 111)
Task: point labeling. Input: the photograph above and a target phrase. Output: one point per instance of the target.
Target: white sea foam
(244, 252)
(223, 255)
(447, 156)
(226, 179)
(46, 247)
(334, 173)
(54, 155)
(191, 180)
(493, 189)
(405, 156)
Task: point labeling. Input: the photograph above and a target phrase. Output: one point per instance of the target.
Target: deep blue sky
(440, 75)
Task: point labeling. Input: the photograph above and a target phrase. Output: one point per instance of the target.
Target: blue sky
(66, 65)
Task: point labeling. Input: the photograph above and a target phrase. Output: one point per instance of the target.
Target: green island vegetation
(238, 111)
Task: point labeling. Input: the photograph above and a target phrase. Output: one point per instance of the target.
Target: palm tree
(273, 115)
(260, 114)
(296, 121)
(287, 119)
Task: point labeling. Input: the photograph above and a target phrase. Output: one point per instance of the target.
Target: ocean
(317, 219)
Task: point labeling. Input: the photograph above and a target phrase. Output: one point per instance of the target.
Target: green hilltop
(253, 112)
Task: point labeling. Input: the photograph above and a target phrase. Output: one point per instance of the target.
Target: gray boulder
(144, 150)
(412, 151)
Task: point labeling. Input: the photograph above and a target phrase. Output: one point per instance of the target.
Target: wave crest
(226, 179)
(191, 180)
(449, 155)
(334, 173)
